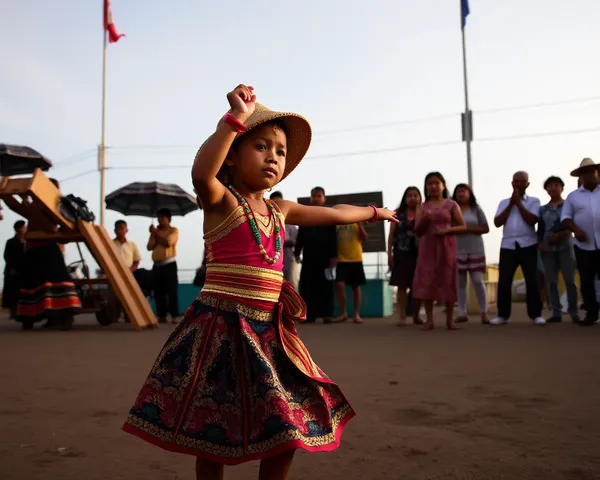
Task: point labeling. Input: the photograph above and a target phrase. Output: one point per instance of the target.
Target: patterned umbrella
(19, 160)
(145, 199)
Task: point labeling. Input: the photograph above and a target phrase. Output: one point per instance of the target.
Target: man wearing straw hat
(581, 215)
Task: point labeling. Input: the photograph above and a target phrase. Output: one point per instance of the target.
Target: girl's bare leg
(450, 325)
(429, 312)
(276, 468)
(208, 470)
(401, 305)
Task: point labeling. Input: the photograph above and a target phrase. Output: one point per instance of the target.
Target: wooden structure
(37, 199)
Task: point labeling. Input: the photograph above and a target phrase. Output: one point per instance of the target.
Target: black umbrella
(19, 160)
(145, 199)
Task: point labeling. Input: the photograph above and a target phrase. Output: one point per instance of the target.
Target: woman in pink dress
(436, 276)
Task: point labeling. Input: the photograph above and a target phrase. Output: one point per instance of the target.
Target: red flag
(109, 26)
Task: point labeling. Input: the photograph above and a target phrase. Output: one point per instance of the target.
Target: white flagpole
(467, 126)
(102, 147)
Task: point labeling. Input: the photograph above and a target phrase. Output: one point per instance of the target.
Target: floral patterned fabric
(234, 382)
(436, 276)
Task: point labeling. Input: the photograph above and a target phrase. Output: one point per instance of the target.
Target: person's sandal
(462, 319)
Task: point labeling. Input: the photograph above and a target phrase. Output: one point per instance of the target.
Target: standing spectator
(128, 250)
(518, 215)
(350, 270)
(318, 247)
(47, 289)
(403, 251)
(436, 275)
(556, 248)
(162, 243)
(13, 258)
(290, 266)
(471, 252)
(581, 215)
(130, 254)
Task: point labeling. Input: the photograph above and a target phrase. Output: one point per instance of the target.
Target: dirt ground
(515, 402)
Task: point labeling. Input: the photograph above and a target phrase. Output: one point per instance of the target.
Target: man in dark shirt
(318, 246)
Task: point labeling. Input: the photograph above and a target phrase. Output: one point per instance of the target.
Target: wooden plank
(40, 200)
(60, 237)
(121, 279)
(47, 197)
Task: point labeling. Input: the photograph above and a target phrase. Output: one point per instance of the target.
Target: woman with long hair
(403, 252)
(437, 221)
(471, 252)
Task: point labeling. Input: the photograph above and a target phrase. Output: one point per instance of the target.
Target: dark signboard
(376, 240)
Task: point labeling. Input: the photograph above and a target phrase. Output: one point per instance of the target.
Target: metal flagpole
(102, 147)
(467, 124)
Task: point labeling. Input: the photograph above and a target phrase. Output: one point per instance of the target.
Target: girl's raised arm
(312, 216)
(213, 152)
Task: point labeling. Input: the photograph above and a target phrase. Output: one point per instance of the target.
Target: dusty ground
(515, 402)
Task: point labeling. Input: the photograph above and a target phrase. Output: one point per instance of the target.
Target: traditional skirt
(47, 290)
(234, 383)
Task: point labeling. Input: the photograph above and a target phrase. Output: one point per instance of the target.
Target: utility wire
(391, 124)
(78, 176)
(396, 149)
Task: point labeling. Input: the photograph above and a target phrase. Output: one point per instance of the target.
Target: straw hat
(585, 163)
(299, 133)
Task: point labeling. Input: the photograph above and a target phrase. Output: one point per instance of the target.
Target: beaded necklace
(254, 227)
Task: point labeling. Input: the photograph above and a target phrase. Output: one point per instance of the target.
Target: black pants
(527, 259)
(165, 289)
(588, 264)
(316, 291)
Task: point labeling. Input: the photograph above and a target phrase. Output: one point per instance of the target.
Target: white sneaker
(539, 321)
(498, 321)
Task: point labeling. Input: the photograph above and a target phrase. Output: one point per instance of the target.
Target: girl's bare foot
(451, 326)
(357, 319)
(341, 318)
(484, 319)
(462, 319)
(428, 326)
(401, 322)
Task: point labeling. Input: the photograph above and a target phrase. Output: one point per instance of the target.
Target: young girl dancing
(436, 276)
(234, 382)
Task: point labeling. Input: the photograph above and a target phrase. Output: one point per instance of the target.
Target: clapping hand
(516, 197)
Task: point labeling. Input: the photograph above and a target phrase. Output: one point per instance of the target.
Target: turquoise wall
(376, 302)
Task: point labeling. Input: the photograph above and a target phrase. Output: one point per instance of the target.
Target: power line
(395, 149)
(74, 158)
(389, 124)
(78, 176)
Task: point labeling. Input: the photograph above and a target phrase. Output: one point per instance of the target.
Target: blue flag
(464, 12)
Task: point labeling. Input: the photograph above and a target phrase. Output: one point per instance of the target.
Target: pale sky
(345, 65)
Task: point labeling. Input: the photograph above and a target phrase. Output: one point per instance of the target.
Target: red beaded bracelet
(375, 216)
(234, 123)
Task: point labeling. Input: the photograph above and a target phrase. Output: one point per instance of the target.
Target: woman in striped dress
(471, 252)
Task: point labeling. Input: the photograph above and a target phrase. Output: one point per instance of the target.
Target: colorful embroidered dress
(234, 382)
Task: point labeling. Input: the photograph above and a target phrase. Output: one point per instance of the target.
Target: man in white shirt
(518, 215)
(581, 215)
(129, 251)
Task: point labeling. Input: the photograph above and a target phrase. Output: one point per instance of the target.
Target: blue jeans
(563, 260)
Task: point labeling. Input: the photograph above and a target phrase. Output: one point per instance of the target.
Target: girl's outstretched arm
(312, 216)
(212, 153)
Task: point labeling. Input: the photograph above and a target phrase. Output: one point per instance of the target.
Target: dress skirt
(46, 290)
(233, 383)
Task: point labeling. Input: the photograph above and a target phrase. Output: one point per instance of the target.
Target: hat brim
(577, 171)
